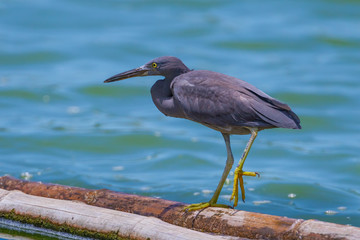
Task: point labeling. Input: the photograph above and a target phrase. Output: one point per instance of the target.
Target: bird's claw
(203, 205)
(238, 180)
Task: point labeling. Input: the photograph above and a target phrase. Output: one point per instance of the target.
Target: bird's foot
(238, 178)
(203, 205)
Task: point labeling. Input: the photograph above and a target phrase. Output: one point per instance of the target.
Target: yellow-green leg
(228, 166)
(239, 173)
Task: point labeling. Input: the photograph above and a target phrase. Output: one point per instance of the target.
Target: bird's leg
(239, 173)
(228, 166)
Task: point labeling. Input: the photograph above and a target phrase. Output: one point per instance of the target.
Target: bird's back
(228, 104)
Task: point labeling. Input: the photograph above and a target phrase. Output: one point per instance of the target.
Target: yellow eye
(154, 65)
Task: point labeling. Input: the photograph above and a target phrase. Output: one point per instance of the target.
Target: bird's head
(169, 67)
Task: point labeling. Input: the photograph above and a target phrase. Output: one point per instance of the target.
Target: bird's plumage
(222, 102)
(216, 100)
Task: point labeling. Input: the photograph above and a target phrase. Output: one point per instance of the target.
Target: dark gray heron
(223, 103)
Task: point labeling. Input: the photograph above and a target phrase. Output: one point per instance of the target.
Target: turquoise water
(59, 123)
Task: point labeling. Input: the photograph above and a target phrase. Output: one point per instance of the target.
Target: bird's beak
(137, 72)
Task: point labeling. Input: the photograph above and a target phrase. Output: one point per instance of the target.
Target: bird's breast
(164, 99)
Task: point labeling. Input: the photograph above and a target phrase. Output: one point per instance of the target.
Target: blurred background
(59, 123)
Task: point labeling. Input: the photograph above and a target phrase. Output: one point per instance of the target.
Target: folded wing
(217, 99)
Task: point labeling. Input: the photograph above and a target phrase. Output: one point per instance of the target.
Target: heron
(218, 101)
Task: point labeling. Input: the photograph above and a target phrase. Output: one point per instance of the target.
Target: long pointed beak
(137, 72)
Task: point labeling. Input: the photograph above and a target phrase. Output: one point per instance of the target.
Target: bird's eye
(154, 65)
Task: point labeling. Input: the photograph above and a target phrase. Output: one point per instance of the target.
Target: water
(59, 123)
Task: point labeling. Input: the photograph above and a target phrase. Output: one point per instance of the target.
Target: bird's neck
(166, 87)
(161, 91)
(174, 72)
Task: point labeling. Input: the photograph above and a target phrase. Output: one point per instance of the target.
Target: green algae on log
(64, 227)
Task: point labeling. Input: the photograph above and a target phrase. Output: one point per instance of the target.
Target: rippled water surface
(59, 123)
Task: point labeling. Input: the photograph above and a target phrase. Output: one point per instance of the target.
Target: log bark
(229, 222)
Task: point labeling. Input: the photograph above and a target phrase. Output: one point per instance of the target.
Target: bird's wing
(217, 99)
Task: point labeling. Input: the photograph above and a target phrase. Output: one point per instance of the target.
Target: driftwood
(91, 218)
(227, 222)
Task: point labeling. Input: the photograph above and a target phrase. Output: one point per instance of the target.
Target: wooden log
(229, 222)
(95, 219)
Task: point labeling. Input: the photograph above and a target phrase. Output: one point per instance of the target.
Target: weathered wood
(92, 218)
(214, 220)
